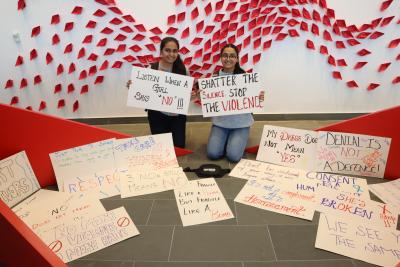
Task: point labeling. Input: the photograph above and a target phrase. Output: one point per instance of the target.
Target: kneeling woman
(229, 133)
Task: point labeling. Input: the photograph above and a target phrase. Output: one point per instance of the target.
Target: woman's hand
(128, 83)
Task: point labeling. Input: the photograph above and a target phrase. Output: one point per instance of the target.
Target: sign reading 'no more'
(159, 90)
(230, 94)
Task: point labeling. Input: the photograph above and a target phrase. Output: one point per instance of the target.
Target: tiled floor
(254, 238)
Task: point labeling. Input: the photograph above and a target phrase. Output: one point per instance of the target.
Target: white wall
(297, 80)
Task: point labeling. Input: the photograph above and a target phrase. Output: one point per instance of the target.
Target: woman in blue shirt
(229, 133)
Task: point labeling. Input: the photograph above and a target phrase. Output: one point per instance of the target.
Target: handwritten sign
(338, 203)
(230, 94)
(136, 183)
(84, 161)
(355, 154)
(388, 192)
(288, 147)
(358, 240)
(295, 198)
(251, 169)
(152, 152)
(201, 201)
(17, 179)
(160, 90)
(77, 238)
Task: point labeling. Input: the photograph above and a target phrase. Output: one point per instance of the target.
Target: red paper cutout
(81, 53)
(68, 26)
(75, 106)
(99, 79)
(396, 80)
(303, 26)
(306, 14)
(231, 6)
(107, 30)
(385, 5)
(267, 45)
(209, 29)
(68, 48)
(120, 37)
(104, 65)
(135, 48)
(91, 24)
(256, 58)
(359, 65)
(284, 10)
(60, 69)
(115, 9)
(99, 13)
(92, 57)
(336, 75)
(14, 100)
(208, 9)
(352, 84)
(394, 43)
(244, 59)
(315, 29)
(185, 33)
(9, 84)
(277, 29)
(49, 58)
(316, 16)
(57, 88)
(386, 21)
(375, 23)
(70, 88)
(37, 79)
(171, 20)
(310, 45)
(126, 29)
(92, 70)
(19, 61)
(138, 37)
(281, 36)
(156, 30)
(23, 84)
(323, 50)
(55, 19)
(83, 75)
(115, 21)
(363, 35)
(121, 48)
(102, 42)
(88, 39)
(128, 18)
(29, 108)
(384, 67)
(341, 63)
(21, 4)
(331, 60)
(33, 54)
(55, 39)
(77, 10)
(340, 45)
(35, 31)
(171, 31)
(117, 64)
(353, 42)
(61, 103)
(140, 27)
(363, 52)
(195, 13)
(84, 89)
(372, 86)
(376, 35)
(327, 36)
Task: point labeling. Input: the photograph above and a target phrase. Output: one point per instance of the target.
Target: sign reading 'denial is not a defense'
(353, 154)
(160, 90)
(230, 94)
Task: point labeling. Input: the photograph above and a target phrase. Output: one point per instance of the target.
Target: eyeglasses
(230, 56)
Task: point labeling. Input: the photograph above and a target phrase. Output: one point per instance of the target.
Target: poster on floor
(86, 235)
(17, 179)
(252, 169)
(358, 240)
(85, 168)
(354, 154)
(288, 147)
(136, 183)
(340, 203)
(295, 198)
(150, 152)
(159, 90)
(230, 94)
(201, 201)
(388, 192)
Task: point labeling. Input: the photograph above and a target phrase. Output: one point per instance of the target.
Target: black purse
(208, 170)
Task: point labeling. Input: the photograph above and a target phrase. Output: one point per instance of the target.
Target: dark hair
(178, 66)
(237, 69)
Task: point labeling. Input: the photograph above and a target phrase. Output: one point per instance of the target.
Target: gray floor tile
(248, 215)
(319, 263)
(138, 210)
(153, 243)
(96, 263)
(358, 263)
(221, 243)
(296, 242)
(188, 264)
(165, 212)
(230, 186)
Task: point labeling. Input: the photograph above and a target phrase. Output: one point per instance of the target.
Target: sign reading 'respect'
(230, 94)
(160, 90)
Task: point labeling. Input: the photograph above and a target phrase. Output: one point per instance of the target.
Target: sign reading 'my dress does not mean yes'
(288, 147)
(160, 90)
(353, 154)
(230, 94)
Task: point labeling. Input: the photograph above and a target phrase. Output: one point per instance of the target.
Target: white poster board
(288, 147)
(340, 203)
(201, 201)
(354, 154)
(17, 179)
(84, 236)
(151, 152)
(160, 90)
(230, 94)
(358, 240)
(295, 198)
(388, 192)
(135, 182)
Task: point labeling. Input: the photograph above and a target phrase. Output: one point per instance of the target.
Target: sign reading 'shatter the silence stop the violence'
(230, 94)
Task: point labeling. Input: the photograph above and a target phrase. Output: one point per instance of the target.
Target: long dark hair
(178, 67)
(237, 69)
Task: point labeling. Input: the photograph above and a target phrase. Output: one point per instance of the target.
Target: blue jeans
(228, 142)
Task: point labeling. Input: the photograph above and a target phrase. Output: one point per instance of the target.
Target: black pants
(161, 123)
